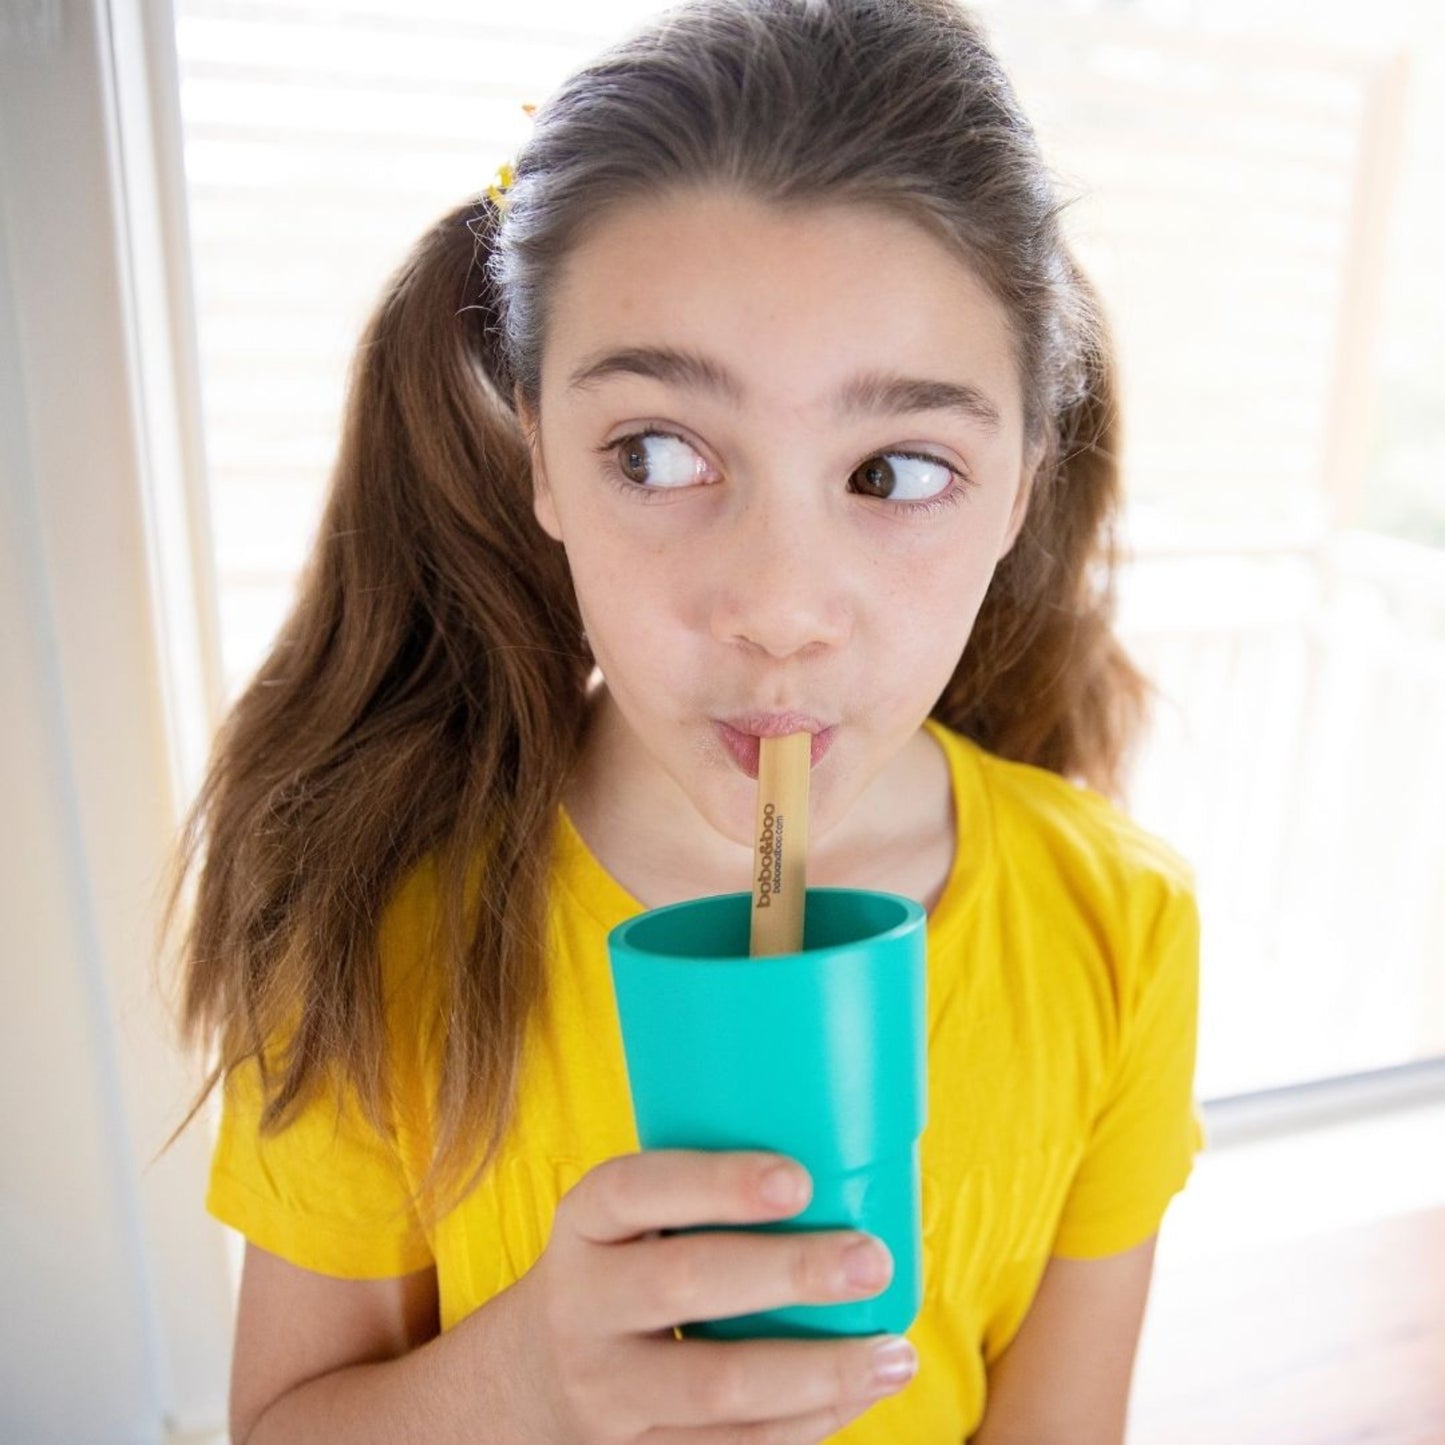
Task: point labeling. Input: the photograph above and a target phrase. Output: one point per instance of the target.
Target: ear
(542, 504)
(1021, 500)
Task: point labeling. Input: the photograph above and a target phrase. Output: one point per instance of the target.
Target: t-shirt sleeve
(327, 1192)
(1149, 1129)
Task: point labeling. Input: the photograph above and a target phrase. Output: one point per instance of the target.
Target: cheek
(629, 595)
(932, 612)
(930, 633)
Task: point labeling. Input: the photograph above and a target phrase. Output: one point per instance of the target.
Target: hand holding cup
(597, 1311)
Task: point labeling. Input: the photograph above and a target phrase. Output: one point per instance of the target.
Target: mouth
(742, 738)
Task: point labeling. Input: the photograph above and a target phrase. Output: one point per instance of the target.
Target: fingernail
(784, 1186)
(894, 1361)
(867, 1264)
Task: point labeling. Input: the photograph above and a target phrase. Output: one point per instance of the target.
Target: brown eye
(657, 461)
(632, 463)
(877, 477)
(898, 476)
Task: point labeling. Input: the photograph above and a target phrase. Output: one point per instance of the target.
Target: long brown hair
(424, 699)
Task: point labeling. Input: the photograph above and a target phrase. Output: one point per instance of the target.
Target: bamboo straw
(779, 871)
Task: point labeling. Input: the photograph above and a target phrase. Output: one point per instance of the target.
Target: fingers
(792, 1387)
(713, 1275)
(615, 1280)
(658, 1189)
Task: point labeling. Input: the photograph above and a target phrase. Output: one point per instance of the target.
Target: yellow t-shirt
(1062, 993)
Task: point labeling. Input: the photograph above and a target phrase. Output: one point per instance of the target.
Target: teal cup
(820, 1055)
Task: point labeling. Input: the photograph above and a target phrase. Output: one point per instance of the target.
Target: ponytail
(424, 696)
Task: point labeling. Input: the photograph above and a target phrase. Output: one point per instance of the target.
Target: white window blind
(1217, 180)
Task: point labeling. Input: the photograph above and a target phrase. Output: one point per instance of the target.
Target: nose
(782, 577)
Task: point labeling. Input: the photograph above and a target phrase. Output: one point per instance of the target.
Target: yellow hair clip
(502, 182)
(501, 185)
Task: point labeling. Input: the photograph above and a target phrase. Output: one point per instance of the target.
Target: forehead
(790, 298)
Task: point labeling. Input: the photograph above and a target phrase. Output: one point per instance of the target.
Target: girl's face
(784, 452)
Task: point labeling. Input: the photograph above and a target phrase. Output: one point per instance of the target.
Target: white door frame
(120, 1288)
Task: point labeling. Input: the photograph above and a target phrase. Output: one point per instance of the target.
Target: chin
(737, 816)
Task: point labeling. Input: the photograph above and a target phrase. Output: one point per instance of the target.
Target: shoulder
(1059, 837)
(410, 958)
(1080, 824)
(423, 937)
(409, 921)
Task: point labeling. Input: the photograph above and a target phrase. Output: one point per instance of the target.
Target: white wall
(115, 1324)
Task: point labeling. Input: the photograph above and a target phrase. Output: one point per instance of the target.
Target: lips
(773, 724)
(744, 747)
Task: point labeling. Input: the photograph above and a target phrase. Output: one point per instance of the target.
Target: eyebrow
(870, 393)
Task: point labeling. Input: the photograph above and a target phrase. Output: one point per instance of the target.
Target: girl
(767, 395)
